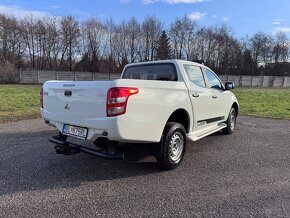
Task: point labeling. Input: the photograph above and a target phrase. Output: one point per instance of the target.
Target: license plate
(76, 131)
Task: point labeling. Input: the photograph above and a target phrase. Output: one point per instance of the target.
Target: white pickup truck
(162, 102)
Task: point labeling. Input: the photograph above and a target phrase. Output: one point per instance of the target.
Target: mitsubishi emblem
(66, 107)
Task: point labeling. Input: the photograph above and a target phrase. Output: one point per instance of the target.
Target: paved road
(244, 174)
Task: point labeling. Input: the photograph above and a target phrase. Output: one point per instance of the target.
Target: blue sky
(243, 16)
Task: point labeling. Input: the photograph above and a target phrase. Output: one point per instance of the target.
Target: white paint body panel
(147, 112)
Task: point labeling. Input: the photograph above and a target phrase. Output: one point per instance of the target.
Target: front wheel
(231, 122)
(173, 146)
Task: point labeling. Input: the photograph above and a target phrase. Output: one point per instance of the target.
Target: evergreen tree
(164, 50)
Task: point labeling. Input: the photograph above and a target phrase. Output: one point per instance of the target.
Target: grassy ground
(270, 102)
(22, 102)
(19, 102)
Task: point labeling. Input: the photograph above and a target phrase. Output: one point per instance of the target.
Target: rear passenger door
(199, 94)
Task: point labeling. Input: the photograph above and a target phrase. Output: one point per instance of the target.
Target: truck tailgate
(70, 102)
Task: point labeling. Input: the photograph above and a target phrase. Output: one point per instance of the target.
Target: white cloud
(55, 6)
(282, 29)
(20, 12)
(225, 19)
(277, 21)
(196, 15)
(173, 1)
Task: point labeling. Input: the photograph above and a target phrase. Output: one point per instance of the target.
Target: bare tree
(120, 45)
(182, 33)
(29, 36)
(261, 46)
(281, 47)
(53, 43)
(110, 29)
(150, 32)
(7, 35)
(93, 33)
(70, 33)
(133, 29)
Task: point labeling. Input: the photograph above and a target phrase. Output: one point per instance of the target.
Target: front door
(219, 98)
(200, 95)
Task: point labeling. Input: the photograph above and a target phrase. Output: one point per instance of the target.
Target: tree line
(65, 43)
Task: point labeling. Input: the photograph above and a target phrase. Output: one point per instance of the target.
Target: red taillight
(117, 99)
(41, 97)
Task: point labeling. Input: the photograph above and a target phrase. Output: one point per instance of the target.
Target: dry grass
(264, 102)
(19, 102)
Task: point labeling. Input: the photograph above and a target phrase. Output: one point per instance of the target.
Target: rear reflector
(117, 99)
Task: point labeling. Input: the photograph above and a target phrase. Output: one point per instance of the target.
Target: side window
(195, 74)
(213, 80)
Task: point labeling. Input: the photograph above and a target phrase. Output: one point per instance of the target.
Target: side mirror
(229, 86)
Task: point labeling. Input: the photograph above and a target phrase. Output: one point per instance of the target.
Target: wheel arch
(180, 116)
(236, 106)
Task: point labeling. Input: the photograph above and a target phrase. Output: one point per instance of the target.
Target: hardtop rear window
(163, 71)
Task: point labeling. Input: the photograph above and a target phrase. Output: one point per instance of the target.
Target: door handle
(214, 96)
(195, 95)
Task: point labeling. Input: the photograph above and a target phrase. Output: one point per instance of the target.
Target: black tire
(231, 122)
(173, 146)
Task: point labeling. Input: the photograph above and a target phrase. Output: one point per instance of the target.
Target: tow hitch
(62, 146)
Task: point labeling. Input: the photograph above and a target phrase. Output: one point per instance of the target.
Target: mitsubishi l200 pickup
(163, 102)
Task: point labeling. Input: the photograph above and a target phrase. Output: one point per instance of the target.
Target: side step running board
(68, 148)
(203, 133)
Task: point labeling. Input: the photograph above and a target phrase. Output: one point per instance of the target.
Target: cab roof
(174, 61)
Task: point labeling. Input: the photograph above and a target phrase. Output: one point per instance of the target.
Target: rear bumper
(121, 128)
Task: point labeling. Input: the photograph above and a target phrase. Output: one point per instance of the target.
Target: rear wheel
(173, 146)
(231, 122)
